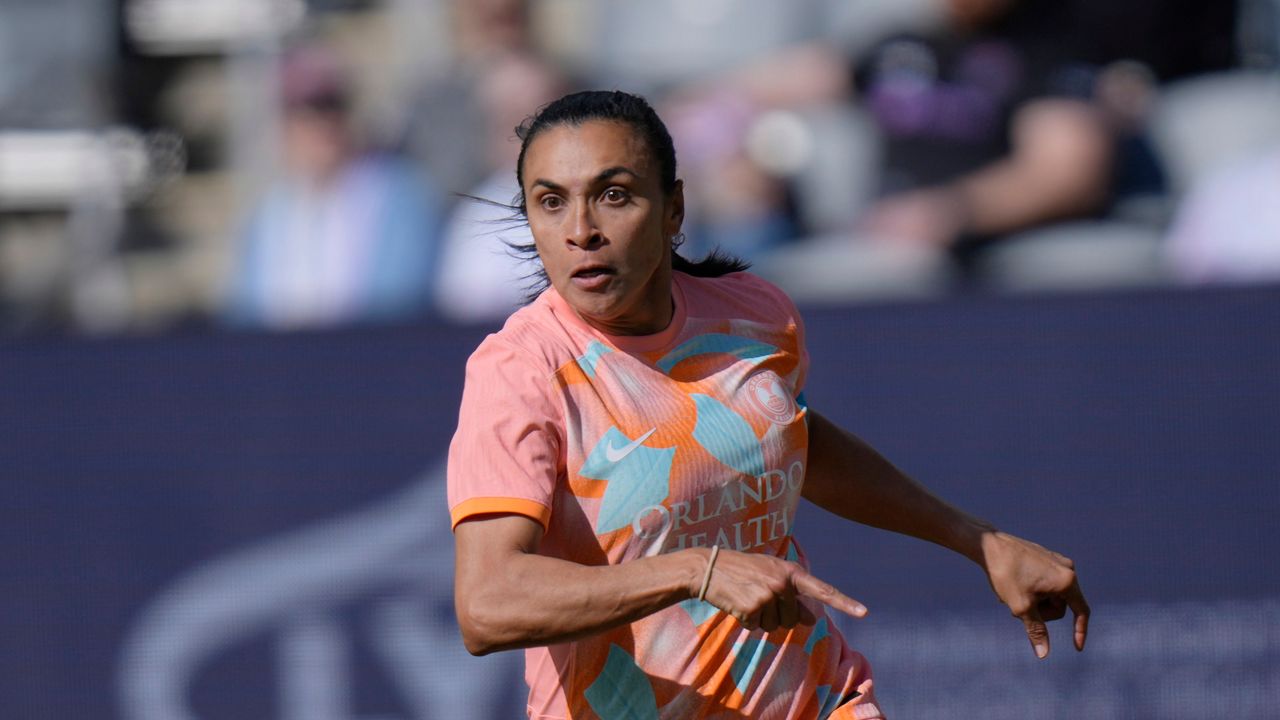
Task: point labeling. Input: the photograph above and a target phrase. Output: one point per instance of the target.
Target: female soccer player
(630, 452)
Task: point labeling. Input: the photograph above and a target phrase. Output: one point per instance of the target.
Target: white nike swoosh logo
(613, 454)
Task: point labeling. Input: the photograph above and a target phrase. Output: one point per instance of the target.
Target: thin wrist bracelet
(706, 578)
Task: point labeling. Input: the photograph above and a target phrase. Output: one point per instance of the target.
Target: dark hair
(615, 106)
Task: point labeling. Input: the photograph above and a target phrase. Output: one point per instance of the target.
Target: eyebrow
(600, 177)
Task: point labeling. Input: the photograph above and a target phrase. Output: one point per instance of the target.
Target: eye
(616, 195)
(551, 202)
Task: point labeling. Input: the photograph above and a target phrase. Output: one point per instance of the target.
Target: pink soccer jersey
(627, 447)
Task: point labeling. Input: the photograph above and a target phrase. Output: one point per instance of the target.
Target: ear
(675, 210)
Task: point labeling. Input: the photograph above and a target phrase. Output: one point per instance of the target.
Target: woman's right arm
(507, 596)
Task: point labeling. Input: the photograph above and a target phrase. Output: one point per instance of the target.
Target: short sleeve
(801, 374)
(505, 454)
(787, 314)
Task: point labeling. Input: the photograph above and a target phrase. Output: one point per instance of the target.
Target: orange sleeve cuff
(501, 506)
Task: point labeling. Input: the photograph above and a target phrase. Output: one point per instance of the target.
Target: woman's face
(603, 225)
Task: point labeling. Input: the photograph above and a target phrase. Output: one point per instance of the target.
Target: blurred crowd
(284, 164)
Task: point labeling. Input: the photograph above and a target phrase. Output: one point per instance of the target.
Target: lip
(593, 277)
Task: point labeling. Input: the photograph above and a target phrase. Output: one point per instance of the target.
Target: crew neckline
(634, 343)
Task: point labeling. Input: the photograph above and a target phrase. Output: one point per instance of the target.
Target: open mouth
(593, 277)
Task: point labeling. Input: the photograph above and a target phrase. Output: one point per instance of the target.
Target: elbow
(472, 638)
(476, 645)
(479, 627)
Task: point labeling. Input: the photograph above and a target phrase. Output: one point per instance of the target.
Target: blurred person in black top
(992, 126)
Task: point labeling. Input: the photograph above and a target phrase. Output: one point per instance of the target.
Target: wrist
(971, 536)
(694, 570)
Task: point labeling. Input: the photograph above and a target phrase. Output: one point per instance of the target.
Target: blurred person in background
(481, 276)
(345, 234)
(987, 127)
(449, 118)
(742, 201)
(1012, 117)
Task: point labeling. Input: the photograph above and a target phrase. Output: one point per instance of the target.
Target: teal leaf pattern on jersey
(638, 477)
(740, 347)
(622, 691)
(727, 436)
(699, 611)
(824, 695)
(591, 358)
(747, 655)
(819, 631)
(828, 701)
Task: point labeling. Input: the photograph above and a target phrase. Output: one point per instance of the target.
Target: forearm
(525, 599)
(1058, 168)
(1011, 195)
(848, 477)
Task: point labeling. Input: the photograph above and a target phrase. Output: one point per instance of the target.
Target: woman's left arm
(849, 478)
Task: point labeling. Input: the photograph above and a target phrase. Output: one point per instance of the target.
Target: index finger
(1080, 609)
(810, 586)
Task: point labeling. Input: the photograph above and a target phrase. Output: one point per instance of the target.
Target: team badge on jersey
(770, 397)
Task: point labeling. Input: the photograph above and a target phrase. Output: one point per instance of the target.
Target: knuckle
(1067, 577)
(1019, 607)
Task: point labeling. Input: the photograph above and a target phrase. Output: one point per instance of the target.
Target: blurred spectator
(733, 202)
(743, 136)
(1228, 229)
(1021, 114)
(447, 123)
(346, 234)
(988, 127)
(480, 276)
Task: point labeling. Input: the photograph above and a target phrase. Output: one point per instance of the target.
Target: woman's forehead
(579, 151)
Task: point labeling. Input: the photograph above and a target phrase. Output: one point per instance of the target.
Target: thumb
(1037, 633)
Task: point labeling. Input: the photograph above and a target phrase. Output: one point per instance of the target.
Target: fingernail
(860, 610)
(1041, 650)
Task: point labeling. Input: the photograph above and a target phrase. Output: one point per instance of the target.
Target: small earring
(677, 240)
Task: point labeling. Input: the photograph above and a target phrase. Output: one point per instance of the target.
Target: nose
(582, 230)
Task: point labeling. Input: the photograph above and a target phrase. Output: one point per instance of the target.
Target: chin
(600, 311)
(597, 308)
